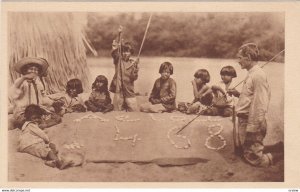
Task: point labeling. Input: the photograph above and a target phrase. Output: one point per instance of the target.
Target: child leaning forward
(202, 92)
(163, 95)
(222, 101)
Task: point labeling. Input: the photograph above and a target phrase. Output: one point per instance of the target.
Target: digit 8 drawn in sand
(215, 134)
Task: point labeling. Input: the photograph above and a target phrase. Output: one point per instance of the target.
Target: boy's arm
(233, 92)
(172, 95)
(259, 104)
(107, 99)
(152, 98)
(134, 73)
(114, 52)
(202, 92)
(216, 88)
(195, 90)
(16, 90)
(38, 132)
(19, 82)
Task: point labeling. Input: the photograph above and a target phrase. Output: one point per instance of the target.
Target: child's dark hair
(102, 79)
(33, 111)
(249, 50)
(203, 74)
(228, 70)
(25, 67)
(166, 66)
(74, 84)
(127, 46)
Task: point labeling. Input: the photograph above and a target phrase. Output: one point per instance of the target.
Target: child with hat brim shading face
(29, 89)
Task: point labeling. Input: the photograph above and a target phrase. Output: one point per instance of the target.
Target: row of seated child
(216, 99)
(68, 102)
(212, 100)
(162, 97)
(33, 109)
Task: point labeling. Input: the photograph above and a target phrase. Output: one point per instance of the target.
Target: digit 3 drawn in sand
(125, 118)
(134, 138)
(215, 134)
(182, 137)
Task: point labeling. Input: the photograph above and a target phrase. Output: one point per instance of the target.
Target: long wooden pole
(145, 34)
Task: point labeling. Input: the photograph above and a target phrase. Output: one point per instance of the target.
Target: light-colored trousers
(150, 108)
(252, 143)
(118, 102)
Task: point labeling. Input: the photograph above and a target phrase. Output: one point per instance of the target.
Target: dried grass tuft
(56, 37)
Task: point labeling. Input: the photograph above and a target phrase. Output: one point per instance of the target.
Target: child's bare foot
(51, 163)
(53, 148)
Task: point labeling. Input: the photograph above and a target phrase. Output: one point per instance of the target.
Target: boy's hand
(137, 61)
(30, 76)
(154, 101)
(199, 96)
(120, 29)
(193, 82)
(114, 45)
(68, 110)
(233, 92)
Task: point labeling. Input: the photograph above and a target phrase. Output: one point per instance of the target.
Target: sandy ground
(223, 165)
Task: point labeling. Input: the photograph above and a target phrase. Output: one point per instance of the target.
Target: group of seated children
(34, 110)
(215, 100)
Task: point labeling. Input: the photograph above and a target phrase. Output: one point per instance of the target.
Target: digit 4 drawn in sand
(134, 138)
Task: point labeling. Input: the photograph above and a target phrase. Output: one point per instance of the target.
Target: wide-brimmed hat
(32, 60)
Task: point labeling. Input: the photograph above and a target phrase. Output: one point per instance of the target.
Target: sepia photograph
(145, 96)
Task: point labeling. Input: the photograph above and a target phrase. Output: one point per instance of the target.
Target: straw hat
(32, 60)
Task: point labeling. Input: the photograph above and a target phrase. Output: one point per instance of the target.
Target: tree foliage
(211, 35)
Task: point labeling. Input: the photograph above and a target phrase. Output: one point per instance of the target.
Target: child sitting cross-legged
(99, 100)
(163, 95)
(69, 101)
(34, 140)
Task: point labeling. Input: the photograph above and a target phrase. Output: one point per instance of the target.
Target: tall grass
(56, 37)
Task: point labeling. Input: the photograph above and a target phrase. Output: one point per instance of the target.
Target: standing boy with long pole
(126, 72)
